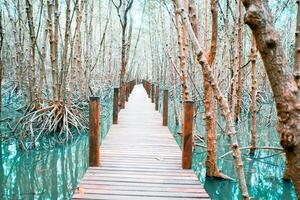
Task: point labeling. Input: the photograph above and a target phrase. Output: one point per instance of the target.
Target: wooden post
(165, 107)
(148, 88)
(187, 134)
(145, 86)
(94, 121)
(116, 106)
(156, 97)
(133, 84)
(130, 86)
(152, 93)
(122, 96)
(127, 91)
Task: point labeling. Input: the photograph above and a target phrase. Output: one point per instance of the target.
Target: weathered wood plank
(140, 160)
(142, 188)
(128, 197)
(173, 194)
(180, 186)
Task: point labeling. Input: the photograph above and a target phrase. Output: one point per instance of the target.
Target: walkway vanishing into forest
(140, 159)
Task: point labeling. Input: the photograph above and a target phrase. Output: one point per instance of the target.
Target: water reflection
(264, 171)
(47, 174)
(51, 171)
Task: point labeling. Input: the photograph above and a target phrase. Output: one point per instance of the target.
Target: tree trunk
(235, 67)
(212, 169)
(52, 49)
(31, 71)
(297, 49)
(43, 76)
(284, 87)
(202, 59)
(182, 43)
(253, 96)
(123, 69)
(65, 61)
(240, 63)
(77, 53)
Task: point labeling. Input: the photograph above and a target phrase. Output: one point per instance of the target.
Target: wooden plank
(145, 179)
(127, 197)
(142, 188)
(140, 160)
(165, 186)
(144, 193)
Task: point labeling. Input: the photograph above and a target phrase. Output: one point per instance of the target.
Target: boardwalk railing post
(148, 88)
(152, 93)
(165, 107)
(116, 106)
(187, 134)
(156, 97)
(94, 125)
(127, 91)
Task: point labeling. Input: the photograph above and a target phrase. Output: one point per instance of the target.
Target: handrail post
(94, 126)
(187, 134)
(127, 91)
(144, 84)
(165, 107)
(152, 93)
(156, 97)
(116, 106)
(148, 89)
(122, 95)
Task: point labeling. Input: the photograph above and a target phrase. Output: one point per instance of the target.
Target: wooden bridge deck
(140, 160)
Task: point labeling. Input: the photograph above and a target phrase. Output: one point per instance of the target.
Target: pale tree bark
(193, 15)
(55, 46)
(297, 49)
(209, 105)
(206, 25)
(212, 169)
(20, 49)
(32, 77)
(174, 83)
(65, 61)
(182, 45)
(283, 84)
(253, 58)
(89, 43)
(17, 35)
(235, 67)
(43, 77)
(222, 101)
(80, 70)
(240, 36)
(123, 18)
(77, 51)
(173, 71)
(53, 43)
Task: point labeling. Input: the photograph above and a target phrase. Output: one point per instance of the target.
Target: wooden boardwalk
(140, 160)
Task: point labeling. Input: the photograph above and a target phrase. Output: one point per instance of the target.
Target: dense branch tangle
(123, 7)
(223, 103)
(55, 54)
(58, 109)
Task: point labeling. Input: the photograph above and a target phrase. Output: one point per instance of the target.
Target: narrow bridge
(139, 159)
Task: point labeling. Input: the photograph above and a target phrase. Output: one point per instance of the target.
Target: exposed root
(264, 148)
(220, 175)
(55, 118)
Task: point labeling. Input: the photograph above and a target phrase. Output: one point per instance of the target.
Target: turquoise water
(42, 174)
(54, 173)
(50, 172)
(264, 171)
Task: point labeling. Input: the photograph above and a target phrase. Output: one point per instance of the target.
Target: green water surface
(54, 173)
